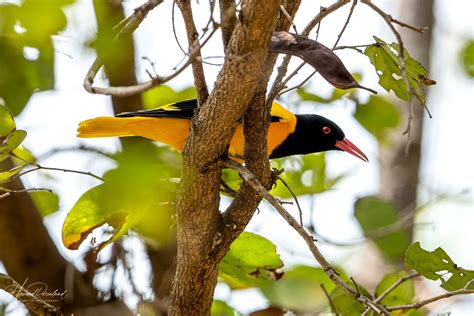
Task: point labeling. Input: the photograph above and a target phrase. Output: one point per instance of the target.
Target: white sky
(51, 119)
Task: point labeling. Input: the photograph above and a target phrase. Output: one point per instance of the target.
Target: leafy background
(336, 178)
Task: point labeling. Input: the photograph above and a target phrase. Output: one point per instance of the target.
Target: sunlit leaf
(86, 215)
(23, 154)
(12, 141)
(385, 59)
(377, 116)
(252, 260)
(7, 175)
(373, 213)
(437, 265)
(220, 308)
(467, 58)
(135, 194)
(163, 95)
(46, 202)
(7, 124)
(299, 289)
(402, 294)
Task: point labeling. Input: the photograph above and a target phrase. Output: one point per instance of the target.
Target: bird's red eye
(326, 130)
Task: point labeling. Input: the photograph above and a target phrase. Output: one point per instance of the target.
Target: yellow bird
(288, 134)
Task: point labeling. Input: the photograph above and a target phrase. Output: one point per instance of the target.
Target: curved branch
(328, 269)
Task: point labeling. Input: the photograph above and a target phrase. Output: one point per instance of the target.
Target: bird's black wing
(183, 109)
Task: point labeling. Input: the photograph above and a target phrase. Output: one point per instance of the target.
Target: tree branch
(194, 45)
(32, 302)
(329, 270)
(200, 245)
(430, 300)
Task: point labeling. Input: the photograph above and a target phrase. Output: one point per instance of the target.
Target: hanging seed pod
(317, 55)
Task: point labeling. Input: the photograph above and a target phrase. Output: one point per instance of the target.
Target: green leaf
(307, 175)
(7, 175)
(402, 294)
(384, 57)
(437, 265)
(163, 95)
(46, 202)
(220, 308)
(24, 154)
(12, 141)
(299, 289)
(308, 96)
(252, 260)
(135, 194)
(7, 124)
(467, 58)
(345, 304)
(377, 116)
(374, 213)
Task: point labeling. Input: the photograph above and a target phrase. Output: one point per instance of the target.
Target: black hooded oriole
(288, 134)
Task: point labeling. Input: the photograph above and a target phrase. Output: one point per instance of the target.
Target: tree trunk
(202, 239)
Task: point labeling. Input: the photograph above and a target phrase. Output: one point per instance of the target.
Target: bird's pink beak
(350, 148)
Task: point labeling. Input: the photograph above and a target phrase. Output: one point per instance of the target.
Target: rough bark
(399, 173)
(198, 217)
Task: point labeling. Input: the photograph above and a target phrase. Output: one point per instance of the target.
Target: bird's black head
(314, 133)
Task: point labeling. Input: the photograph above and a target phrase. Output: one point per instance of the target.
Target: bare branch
(228, 20)
(32, 302)
(283, 68)
(430, 300)
(329, 270)
(194, 45)
(9, 192)
(126, 91)
(354, 3)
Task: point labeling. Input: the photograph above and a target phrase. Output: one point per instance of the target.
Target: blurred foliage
(385, 58)
(337, 94)
(46, 202)
(163, 95)
(345, 304)
(299, 289)
(402, 294)
(26, 48)
(437, 265)
(305, 174)
(220, 308)
(377, 215)
(10, 139)
(138, 193)
(467, 57)
(378, 116)
(251, 261)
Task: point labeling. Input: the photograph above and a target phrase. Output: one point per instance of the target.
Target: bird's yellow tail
(106, 127)
(170, 131)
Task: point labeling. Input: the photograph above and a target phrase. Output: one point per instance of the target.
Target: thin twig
(294, 197)
(395, 285)
(354, 3)
(34, 303)
(277, 85)
(125, 91)
(288, 17)
(329, 270)
(302, 83)
(333, 308)
(39, 167)
(430, 300)
(9, 192)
